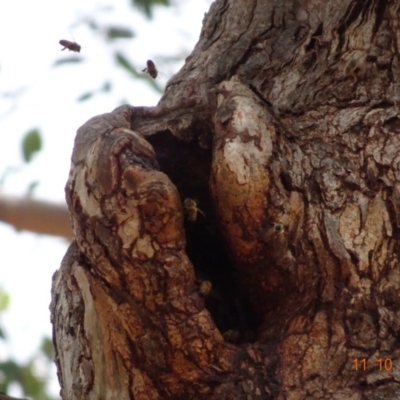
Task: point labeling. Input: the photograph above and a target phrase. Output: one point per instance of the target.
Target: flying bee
(151, 69)
(191, 210)
(71, 46)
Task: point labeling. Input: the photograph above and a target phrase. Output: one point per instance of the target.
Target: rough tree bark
(284, 125)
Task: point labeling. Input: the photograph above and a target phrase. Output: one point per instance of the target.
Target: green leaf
(31, 144)
(32, 186)
(68, 60)
(147, 5)
(47, 348)
(4, 300)
(85, 96)
(123, 62)
(93, 25)
(32, 383)
(25, 374)
(106, 87)
(154, 84)
(114, 32)
(12, 372)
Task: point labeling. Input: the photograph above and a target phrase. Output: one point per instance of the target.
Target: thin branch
(25, 213)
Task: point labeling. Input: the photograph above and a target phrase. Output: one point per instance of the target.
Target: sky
(34, 93)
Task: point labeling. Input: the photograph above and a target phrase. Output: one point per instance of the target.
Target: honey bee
(205, 288)
(71, 46)
(151, 69)
(231, 336)
(272, 234)
(191, 210)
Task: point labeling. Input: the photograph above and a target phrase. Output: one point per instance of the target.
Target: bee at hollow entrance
(191, 210)
(71, 46)
(205, 288)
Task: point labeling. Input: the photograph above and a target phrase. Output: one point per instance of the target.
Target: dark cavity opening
(189, 166)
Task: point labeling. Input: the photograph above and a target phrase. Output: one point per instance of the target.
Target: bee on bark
(71, 46)
(272, 234)
(191, 210)
(151, 69)
(231, 336)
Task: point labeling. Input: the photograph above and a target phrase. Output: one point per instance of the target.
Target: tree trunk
(270, 170)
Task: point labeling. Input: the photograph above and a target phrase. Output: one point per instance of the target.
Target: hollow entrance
(188, 166)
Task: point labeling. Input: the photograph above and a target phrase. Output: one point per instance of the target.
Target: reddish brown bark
(283, 124)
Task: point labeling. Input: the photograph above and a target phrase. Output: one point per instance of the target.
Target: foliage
(147, 5)
(26, 374)
(31, 144)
